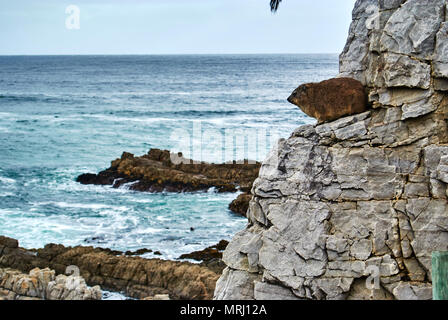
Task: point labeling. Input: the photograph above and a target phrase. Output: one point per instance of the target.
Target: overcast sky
(174, 26)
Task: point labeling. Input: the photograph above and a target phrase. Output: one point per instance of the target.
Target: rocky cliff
(352, 209)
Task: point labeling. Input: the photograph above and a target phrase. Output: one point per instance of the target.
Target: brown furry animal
(331, 99)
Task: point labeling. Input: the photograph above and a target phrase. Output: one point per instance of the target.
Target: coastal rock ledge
(28, 274)
(353, 209)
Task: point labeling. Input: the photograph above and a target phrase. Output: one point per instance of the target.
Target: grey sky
(174, 26)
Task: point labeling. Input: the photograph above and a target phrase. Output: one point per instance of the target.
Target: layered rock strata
(160, 170)
(135, 276)
(352, 209)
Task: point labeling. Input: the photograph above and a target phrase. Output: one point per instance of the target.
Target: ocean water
(61, 116)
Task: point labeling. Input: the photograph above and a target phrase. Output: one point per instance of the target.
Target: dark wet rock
(210, 253)
(222, 245)
(6, 242)
(216, 265)
(331, 99)
(210, 257)
(241, 204)
(138, 252)
(160, 170)
(137, 277)
(106, 177)
(96, 240)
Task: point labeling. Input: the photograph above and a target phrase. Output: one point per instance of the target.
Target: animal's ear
(302, 89)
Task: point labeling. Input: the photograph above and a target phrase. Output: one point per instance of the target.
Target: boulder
(6, 242)
(353, 208)
(330, 99)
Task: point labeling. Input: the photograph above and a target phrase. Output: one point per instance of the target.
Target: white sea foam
(162, 218)
(73, 186)
(128, 185)
(110, 295)
(6, 115)
(6, 194)
(212, 190)
(112, 118)
(142, 200)
(150, 230)
(7, 180)
(91, 206)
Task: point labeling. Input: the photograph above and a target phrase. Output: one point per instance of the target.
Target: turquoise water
(61, 116)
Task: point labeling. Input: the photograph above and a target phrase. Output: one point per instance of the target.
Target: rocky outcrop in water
(352, 209)
(44, 285)
(331, 99)
(137, 277)
(159, 170)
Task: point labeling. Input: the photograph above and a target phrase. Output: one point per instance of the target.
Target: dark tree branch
(275, 4)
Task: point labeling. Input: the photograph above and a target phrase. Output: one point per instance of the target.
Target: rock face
(330, 99)
(159, 170)
(137, 277)
(44, 285)
(353, 208)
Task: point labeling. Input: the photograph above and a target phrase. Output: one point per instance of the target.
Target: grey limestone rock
(361, 200)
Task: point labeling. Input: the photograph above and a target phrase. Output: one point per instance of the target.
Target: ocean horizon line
(165, 54)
